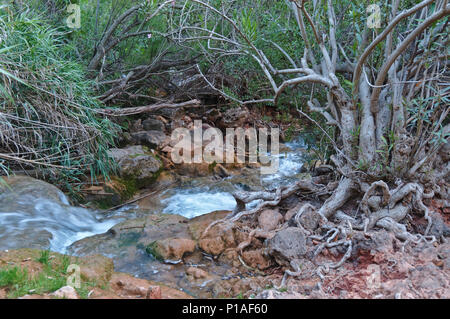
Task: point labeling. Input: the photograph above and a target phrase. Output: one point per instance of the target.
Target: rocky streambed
(156, 238)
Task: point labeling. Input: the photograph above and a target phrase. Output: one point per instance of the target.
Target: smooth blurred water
(35, 217)
(191, 204)
(38, 222)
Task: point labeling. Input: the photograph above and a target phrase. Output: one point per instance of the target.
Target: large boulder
(15, 188)
(288, 244)
(137, 163)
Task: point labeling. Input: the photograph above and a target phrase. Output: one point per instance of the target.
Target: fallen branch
(147, 109)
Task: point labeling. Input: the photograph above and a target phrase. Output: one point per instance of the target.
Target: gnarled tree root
(385, 209)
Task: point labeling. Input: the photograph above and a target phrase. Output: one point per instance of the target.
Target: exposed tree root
(269, 199)
(339, 197)
(243, 198)
(259, 233)
(379, 207)
(390, 203)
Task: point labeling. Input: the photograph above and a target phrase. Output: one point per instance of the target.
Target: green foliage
(52, 119)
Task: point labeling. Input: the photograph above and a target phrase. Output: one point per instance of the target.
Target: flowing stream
(44, 218)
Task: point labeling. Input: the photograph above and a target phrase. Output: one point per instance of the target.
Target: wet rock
(218, 238)
(153, 139)
(25, 204)
(18, 187)
(198, 224)
(66, 292)
(221, 171)
(151, 124)
(108, 193)
(194, 169)
(286, 245)
(172, 248)
(284, 148)
(197, 273)
(269, 219)
(127, 238)
(256, 259)
(136, 162)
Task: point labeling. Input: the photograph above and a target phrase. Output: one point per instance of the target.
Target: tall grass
(48, 115)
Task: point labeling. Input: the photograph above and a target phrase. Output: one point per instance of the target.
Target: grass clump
(19, 282)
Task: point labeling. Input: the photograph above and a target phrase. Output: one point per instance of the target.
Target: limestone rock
(66, 292)
(286, 245)
(197, 273)
(172, 248)
(16, 187)
(310, 219)
(152, 138)
(136, 162)
(269, 219)
(256, 259)
(96, 268)
(218, 238)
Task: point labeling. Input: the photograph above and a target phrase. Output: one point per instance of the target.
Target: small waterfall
(37, 222)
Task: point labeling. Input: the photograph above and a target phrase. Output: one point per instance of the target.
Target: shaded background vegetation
(136, 52)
